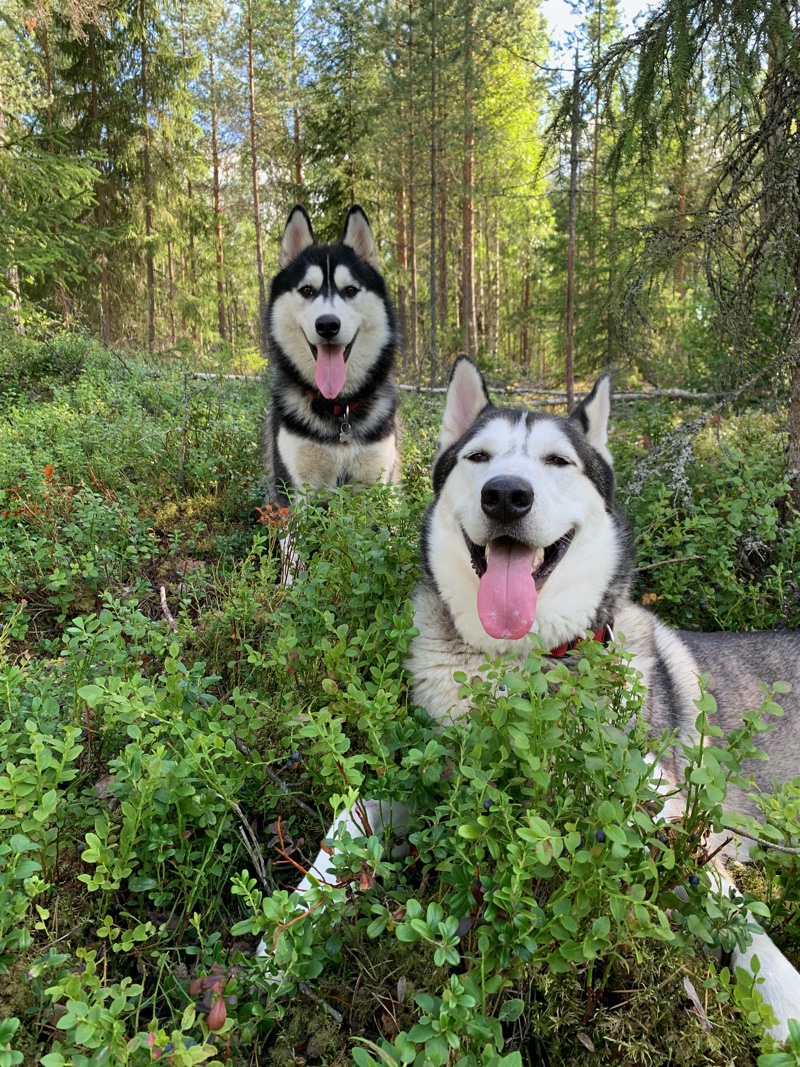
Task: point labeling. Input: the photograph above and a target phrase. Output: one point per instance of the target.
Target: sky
(562, 19)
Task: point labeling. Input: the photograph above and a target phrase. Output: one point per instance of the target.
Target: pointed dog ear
(358, 236)
(591, 416)
(297, 237)
(466, 399)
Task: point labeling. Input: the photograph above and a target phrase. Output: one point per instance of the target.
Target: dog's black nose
(327, 326)
(506, 499)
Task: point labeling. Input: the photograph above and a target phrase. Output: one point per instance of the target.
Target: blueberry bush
(178, 730)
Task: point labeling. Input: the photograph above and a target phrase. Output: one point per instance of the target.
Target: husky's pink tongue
(507, 593)
(330, 371)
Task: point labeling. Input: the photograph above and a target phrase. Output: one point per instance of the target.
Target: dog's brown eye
(351, 290)
(306, 290)
(478, 457)
(558, 461)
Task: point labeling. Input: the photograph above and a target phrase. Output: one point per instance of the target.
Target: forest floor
(173, 719)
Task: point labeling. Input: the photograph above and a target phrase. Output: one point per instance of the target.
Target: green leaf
(510, 1010)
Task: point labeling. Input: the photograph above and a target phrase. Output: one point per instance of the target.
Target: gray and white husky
(521, 539)
(332, 340)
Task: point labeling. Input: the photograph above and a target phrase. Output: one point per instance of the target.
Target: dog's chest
(323, 465)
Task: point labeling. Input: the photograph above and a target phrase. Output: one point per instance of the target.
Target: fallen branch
(664, 562)
(284, 788)
(252, 847)
(769, 844)
(560, 397)
(309, 992)
(166, 612)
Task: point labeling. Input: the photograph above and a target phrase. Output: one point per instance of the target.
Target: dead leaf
(691, 993)
(586, 1041)
(366, 879)
(217, 1015)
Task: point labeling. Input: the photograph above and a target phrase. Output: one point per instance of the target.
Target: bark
(402, 267)
(468, 197)
(680, 261)
(525, 347)
(494, 290)
(171, 281)
(412, 192)
(251, 96)
(611, 332)
(569, 373)
(99, 190)
(298, 157)
(221, 324)
(793, 447)
(148, 183)
(442, 253)
(433, 177)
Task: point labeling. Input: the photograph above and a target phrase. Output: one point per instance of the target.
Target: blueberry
(81, 848)
(600, 836)
(156, 722)
(662, 838)
(694, 881)
(703, 603)
(289, 765)
(168, 1048)
(297, 757)
(582, 841)
(717, 587)
(488, 804)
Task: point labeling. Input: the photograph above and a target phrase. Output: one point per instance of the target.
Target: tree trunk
(525, 346)
(611, 347)
(468, 202)
(221, 325)
(433, 176)
(680, 261)
(99, 189)
(494, 290)
(569, 373)
(793, 447)
(402, 267)
(251, 96)
(442, 254)
(148, 185)
(298, 157)
(171, 281)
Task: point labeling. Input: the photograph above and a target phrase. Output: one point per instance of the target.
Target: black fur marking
(598, 470)
(295, 403)
(619, 584)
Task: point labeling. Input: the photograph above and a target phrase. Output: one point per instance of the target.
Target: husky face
(329, 316)
(522, 536)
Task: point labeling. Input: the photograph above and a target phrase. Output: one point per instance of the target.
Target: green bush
(168, 761)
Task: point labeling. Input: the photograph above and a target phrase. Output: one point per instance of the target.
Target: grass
(134, 752)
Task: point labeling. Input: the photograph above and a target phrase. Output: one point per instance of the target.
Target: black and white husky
(332, 340)
(522, 539)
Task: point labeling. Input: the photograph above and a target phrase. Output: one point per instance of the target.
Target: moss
(644, 1015)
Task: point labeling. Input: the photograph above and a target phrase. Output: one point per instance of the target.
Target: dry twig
(166, 612)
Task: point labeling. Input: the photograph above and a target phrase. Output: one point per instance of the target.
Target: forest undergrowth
(177, 730)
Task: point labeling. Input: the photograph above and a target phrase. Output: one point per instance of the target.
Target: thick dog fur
(563, 471)
(335, 427)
